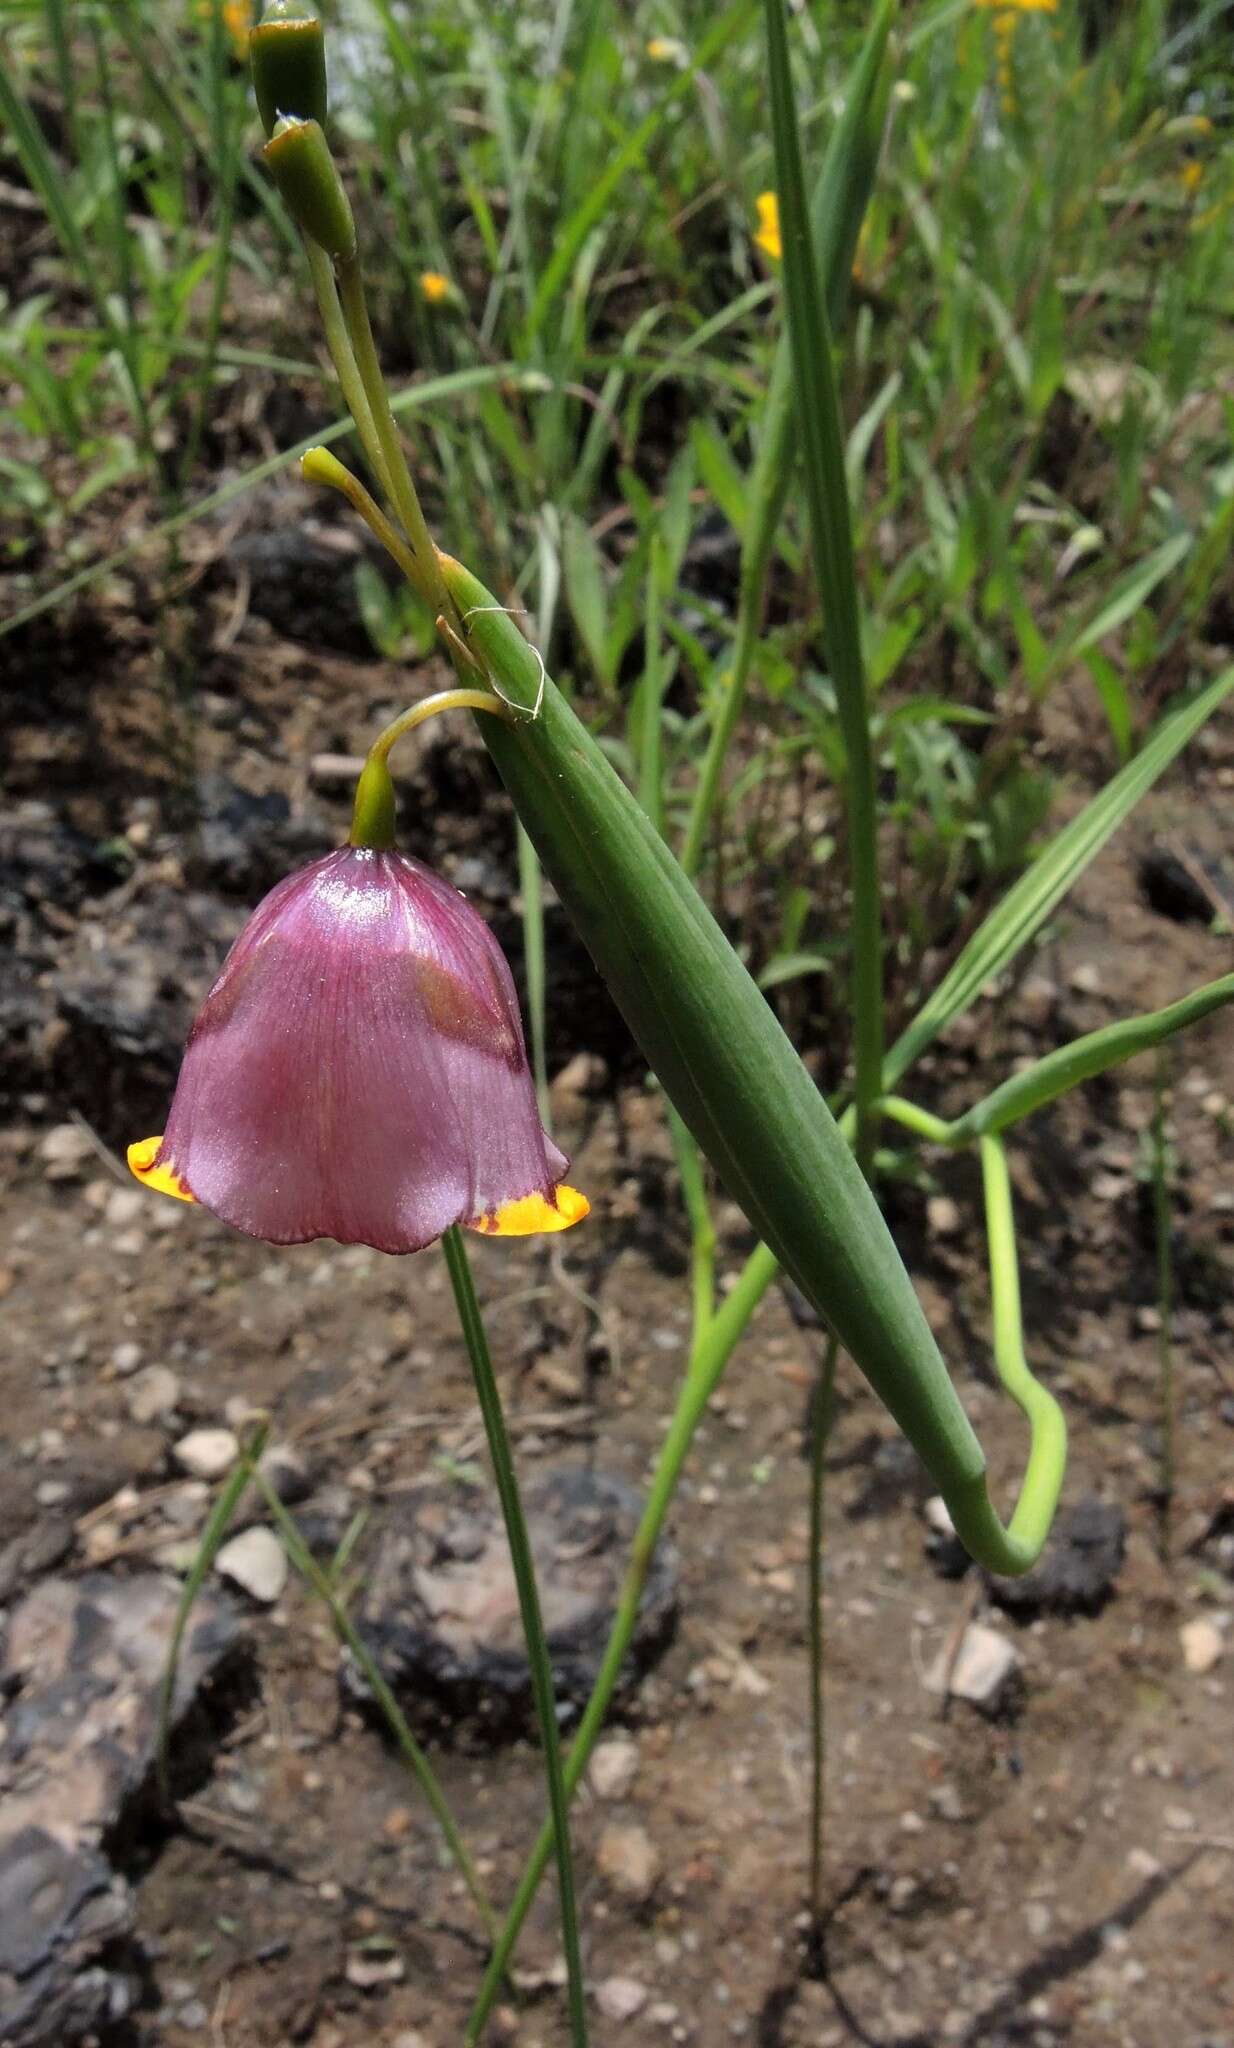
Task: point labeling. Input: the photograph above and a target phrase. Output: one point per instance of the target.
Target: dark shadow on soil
(1000, 2022)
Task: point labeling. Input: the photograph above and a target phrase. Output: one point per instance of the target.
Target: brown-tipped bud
(299, 160)
(287, 53)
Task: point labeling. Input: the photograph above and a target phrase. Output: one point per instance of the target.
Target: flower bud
(299, 160)
(287, 52)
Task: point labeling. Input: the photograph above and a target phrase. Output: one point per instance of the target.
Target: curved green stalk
(710, 1355)
(538, 1658)
(1047, 1458)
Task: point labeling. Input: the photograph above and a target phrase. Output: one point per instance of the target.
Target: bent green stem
(820, 1430)
(710, 1355)
(1025, 1535)
(489, 1398)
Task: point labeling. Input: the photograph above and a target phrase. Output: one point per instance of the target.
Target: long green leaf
(1024, 909)
(817, 411)
(723, 1060)
(1064, 1069)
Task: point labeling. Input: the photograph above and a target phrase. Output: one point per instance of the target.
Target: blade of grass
(218, 1522)
(1025, 907)
(416, 398)
(817, 411)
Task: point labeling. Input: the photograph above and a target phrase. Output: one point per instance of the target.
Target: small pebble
(1203, 1644)
(257, 1562)
(207, 1453)
(126, 1358)
(983, 1669)
(153, 1393)
(629, 1860)
(620, 1998)
(613, 1767)
(943, 1216)
(64, 1151)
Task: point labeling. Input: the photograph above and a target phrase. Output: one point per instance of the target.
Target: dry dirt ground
(1060, 1873)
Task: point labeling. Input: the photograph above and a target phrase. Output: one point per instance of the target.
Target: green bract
(299, 160)
(287, 55)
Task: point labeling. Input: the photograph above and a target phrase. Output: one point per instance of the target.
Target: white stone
(943, 1216)
(257, 1562)
(629, 1860)
(938, 1516)
(613, 1767)
(1203, 1645)
(619, 1998)
(64, 1151)
(153, 1393)
(984, 1667)
(126, 1358)
(124, 1206)
(207, 1453)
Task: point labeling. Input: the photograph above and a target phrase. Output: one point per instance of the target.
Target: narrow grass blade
(416, 398)
(218, 1522)
(1027, 905)
(817, 411)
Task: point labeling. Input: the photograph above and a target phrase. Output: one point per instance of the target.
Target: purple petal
(358, 1069)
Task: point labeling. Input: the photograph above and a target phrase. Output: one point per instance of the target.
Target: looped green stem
(1014, 1548)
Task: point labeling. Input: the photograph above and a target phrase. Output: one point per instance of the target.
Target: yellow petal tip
(532, 1214)
(142, 1158)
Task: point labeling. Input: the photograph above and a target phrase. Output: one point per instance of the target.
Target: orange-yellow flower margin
(530, 1216)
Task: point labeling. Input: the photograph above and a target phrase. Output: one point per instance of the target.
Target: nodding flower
(358, 1071)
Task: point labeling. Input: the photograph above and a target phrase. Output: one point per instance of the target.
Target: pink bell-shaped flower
(358, 1072)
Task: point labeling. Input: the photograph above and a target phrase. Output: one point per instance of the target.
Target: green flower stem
(932, 1128)
(321, 270)
(698, 1212)
(1165, 1301)
(1047, 1457)
(820, 1430)
(403, 497)
(327, 1592)
(529, 1604)
(709, 1357)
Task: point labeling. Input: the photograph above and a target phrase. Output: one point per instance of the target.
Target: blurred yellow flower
(237, 20)
(434, 286)
(1019, 6)
(666, 50)
(768, 236)
(1192, 175)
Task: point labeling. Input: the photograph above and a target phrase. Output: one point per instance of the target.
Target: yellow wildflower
(768, 236)
(1192, 175)
(666, 50)
(237, 20)
(434, 286)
